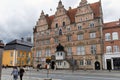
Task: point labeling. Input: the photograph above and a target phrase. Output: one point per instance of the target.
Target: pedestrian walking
(21, 73)
(15, 73)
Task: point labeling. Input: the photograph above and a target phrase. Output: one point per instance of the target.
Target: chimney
(70, 8)
(47, 15)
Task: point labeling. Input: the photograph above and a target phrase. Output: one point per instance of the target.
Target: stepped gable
(71, 13)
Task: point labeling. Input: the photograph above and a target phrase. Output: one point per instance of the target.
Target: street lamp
(1, 51)
(84, 63)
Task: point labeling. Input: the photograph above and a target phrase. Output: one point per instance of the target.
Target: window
(108, 49)
(116, 48)
(91, 25)
(63, 23)
(61, 53)
(42, 33)
(22, 62)
(80, 19)
(88, 62)
(27, 54)
(11, 62)
(64, 63)
(47, 41)
(47, 53)
(68, 28)
(107, 37)
(11, 54)
(93, 49)
(81, 62)
(80, 50)
(80, 36)
(69, 51)
(60, 32)
(79, 27)
(58, 54)
(39, 53)
(69, 38)
(56, 25)
(56, 40)
(23, 54)
(18, 54)
(115, 36)
(48, 33)
(93, 35)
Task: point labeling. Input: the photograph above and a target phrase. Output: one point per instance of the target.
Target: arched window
(60, 32)
(107, 37)
(115, 35)
(108, 49)
(56, 25)
(63, 23)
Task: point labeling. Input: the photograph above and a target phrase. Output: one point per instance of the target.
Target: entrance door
(97, 65)
(109, 64)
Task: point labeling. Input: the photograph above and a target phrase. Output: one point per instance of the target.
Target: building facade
(78, 30)
(111, 57)
(17, 53)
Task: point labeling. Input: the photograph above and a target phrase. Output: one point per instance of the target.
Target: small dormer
(42, 22)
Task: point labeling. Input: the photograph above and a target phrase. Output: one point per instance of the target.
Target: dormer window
(91, 25)
(79, 27)
(56, 25)
(63, 23)
(80, 19)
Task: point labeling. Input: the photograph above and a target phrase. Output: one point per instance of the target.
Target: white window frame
(47, 53)
(115, 36)
(93, 49)
(107, 37)
(69, 50)
(116, 48)
(108, 49)
(93, 35)
(80, 50)
(69, 38)
(80, 36)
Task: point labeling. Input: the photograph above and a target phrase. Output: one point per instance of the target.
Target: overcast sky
(18, 17)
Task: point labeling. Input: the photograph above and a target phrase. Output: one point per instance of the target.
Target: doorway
(109, 67)
(97, 65)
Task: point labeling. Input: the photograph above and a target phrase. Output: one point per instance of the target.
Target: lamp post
(1, 51)
(84, 63)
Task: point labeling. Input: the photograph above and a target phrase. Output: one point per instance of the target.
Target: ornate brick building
(78, 31)
(111, 57)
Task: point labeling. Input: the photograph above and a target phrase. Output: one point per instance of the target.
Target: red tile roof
(49, 20)
(71, 13)
(111, 24)
(96, 9)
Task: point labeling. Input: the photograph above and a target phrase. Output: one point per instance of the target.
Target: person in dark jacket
(21, 72)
